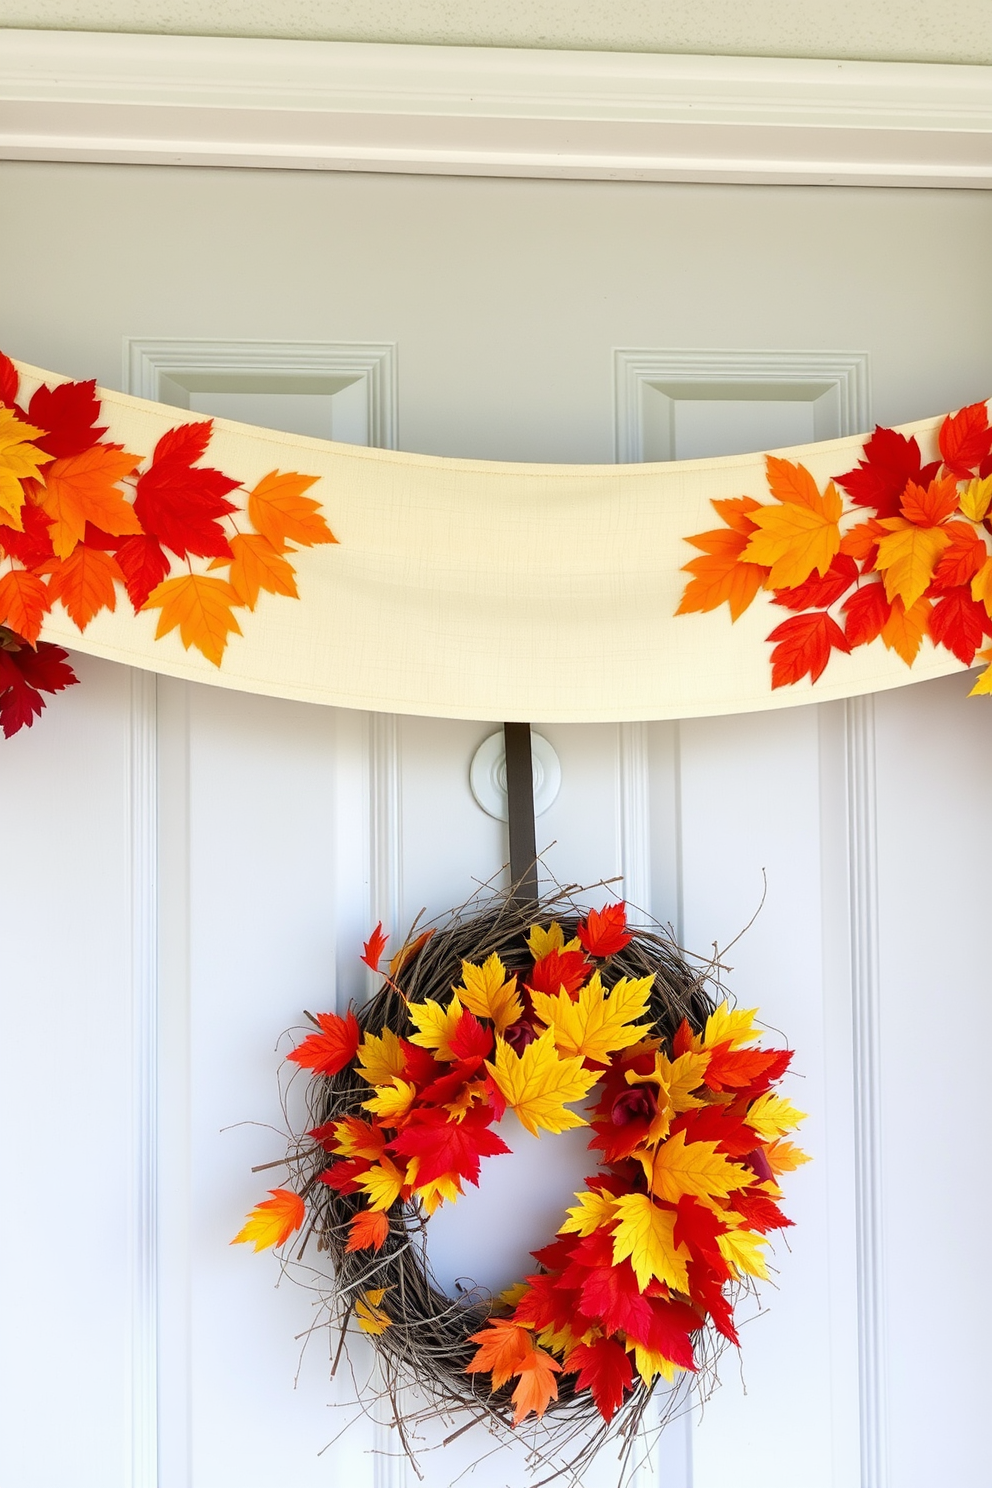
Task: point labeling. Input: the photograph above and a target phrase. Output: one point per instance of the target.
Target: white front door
(187, 869)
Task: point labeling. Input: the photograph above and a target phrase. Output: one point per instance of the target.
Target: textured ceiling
(883, 30)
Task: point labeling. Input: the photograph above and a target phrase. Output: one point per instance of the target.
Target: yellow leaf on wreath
(742, 1253)
(543, 940)
(393, 1101)
(433, 1194)
(201, 607)
(650, 1364)
(592, 1212)
(372, 1317)
(733, 1026)
(599, 1023)
(380, 1057)
(435, 1026)
(907, 557)
(354, 1137)
(676, 1168)
(772, 1116)
(785, 1157)
(798, 536)
(646, 1234)
(974, 500)
(488, 992)
(537, 1084)
(382, 1183)
(273, 1220)
(19, 460)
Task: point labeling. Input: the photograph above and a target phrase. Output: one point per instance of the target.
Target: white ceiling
(883, 30)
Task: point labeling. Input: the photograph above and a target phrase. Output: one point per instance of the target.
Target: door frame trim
(488, 111)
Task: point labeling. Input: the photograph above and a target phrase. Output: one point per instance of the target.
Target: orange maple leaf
(800, 534)
(860, 542)
(721, 575)
(367, 1230)
(279, 511)
(257, 565)
(273, 1220)
(907, 557)
(84, 582)
(537, 1387)
(201, 607)
(83, 488)
(24, 602)
(503, 1349)
(928, 506)
(904, 630)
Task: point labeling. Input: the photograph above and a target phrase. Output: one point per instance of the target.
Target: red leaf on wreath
(179, 502)
(958, 623)
(373, 948)
(603, 1369)
(965, 439)
(68, 413)
(707, 1289)
(866, 613)
(697, 1227)
(961, 560)
(804, 643)
(24, 676)
(471, 1039)
(604, 932)
(8, 382)
(368, 1230)
(144, 566)
(609, 1291)
(330, 1050)
(732, 1069)
(24, 603)
(890, 460)
(759, 1211)
(419, 1065)
(33, 545)
(558, 969)
(817, 591)
(445, 1146)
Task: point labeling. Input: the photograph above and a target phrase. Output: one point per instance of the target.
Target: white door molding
(321, 105)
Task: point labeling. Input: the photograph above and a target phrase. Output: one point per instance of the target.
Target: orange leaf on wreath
(537, 1387)
(201, 607)
(24, 603)
(330, 1050)
(273, 1220)
(279, 511)
(373, 948)
(604, 932)
(368, 1229)
(84, 488)
(503, 1347)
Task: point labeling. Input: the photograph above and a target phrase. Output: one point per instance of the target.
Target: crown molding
(481, 111)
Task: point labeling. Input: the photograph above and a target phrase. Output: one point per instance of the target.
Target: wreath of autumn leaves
(568, 1023)
(906, 557)
(81, 517)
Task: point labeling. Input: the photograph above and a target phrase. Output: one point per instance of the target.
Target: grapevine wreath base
(539, 1009)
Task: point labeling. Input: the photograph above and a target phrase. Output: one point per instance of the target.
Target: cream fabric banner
(475, 589)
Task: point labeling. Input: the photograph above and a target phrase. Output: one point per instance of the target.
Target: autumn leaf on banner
(645, 1234)
(861, 542)
(84, 582)
(278, 510)
(604, 1370)
(372, 1316)
(819, 593)
(24, 603)
(273, 1220)
(962, 558)
(604, 932)
(256, 566)
(676, 1168)
(201, 607)
(965, 440)
(960, 624)
(30, 544)
(488, 992)
(598, 1024)
(799, 535)
(373, 948)
(803, 646)
(907, 557)
(330, 1050)
(974, 502)
(20, 459)
(436, 1026)
(865, 614)
(537, 1387)
(367, 1230)
(380, 1057)
(144, 565)
(594, 1211)
(721, 575)
(9, 381)
(84, 488)
(503, 1347)
(772, 1116)
(537, 1084)
(179, 502)
(741, 1249)
(929, 505)
(442, 1147)
(904, 630)
(24, 675)
(890, 462)
(68, 415)
(542, 940)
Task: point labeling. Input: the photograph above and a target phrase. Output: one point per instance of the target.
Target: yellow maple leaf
(772, 1116)
(981, 584)
(543, 940)
(598, 1023)
(592, 1212)
(677, 1167)
(646, 1234)
(356, 1138)
(800, 534)
(435, 1026)
(785, 1157)
(682, 1076)
(392, 1102)
(273, 1220)
(19, 460)
(372, 1316)
(537, 1084)
(650, 1364)
(433, 1194)
(733, 1026)
(974, 500)
(740, 1249)
(488, 992)
(380, 1057)
(201, 607)
(382, 1183)
(907, 557)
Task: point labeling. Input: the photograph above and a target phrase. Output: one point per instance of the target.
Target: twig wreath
(528, 1007)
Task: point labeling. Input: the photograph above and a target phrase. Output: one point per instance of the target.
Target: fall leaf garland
(689, 1134)
(907, 556)
(82, 518)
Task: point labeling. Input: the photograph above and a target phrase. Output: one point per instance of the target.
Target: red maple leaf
(373, 948)
(671, 1325)
(804, 643)
(965, 439)
(759, 1211)
(471, 1040)
(721, 1124)
(734, 1069)
(341, 1175)
(866, 613)
(8, 381)
(33, 546)
(961, 559)
(697, 1227)
(568, 969)
(959, 623)
(24, 675)
(604, 1369)
(449, 1084)
(604, 932)
(610, 1293)
(707, 1289)
(68, 413)
(143, 564)
(890, 460)
(446, 1146)
(330, 1050)
(548, 1304)
(179, 502)
(817, 591)
(928, 506)
(419, 1065)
